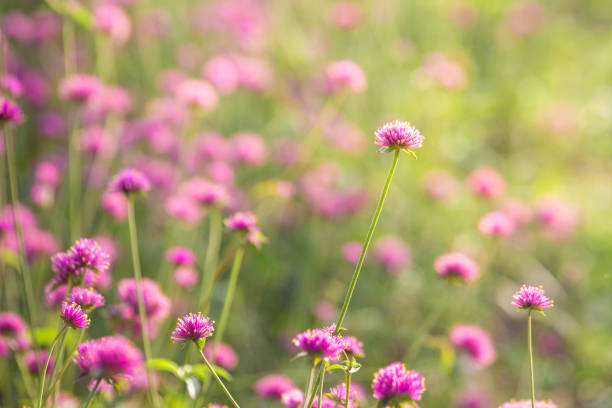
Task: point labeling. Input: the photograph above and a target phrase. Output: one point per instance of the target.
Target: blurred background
(515, 102)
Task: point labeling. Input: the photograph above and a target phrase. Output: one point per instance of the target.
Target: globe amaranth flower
(194, 327)
(338, 393)
(185, 276)
(180, 256)
(249, 148)
(496, 224)
(113, 21)
(352, 346)
(320, 343)
(80, 88)
(531, 298)
(74, 316)
(475, 342)
(241, 221)
(486, 182)
(223, 355)
(293, 398)
(35, 361)
(398, 135)
(12, 325)
(273, 386)
(205, 192)
(10, 112)
(156, 305)
(455, 265)
(197, 93)
(110, 358)
(394, 383)
(527, 404)
(129, 181)
(87, 253)
(345, 75)
(87, 298)
(393, 253)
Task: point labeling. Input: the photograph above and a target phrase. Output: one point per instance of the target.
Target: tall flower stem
(92, 393)
(214, 374)
(44, 373)
(229, 297)
(348, 388)
(61, 372)
(74, 179)
(321, 388)
(212, 250)
(141, 307)
(205, 304)
(318, 383)
(308, 389)
(530, 351)
(22, 264)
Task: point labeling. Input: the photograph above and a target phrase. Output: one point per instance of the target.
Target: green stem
(92, 393)
(214, 374)
(366, 244)
(44, 373)
(25, 375)
(321, 387)
(310, 379)
(212, 251)
(530, 350)
(348, 388)
(141, 307)
(210, 286)
(316, 387)
(61, 372)
(74, 179)
(69, 46)
(229, 297)
(22, 264)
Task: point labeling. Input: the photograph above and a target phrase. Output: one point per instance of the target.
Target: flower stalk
(214, 374)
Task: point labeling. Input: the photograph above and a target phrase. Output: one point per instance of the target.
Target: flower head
(87, 253)
(113, 21)
(496, 224)
(293, 398)
(486, 183)
(35, 361)
(197, 92)
(339, 395)
(180, 256)
(319, 343)
(398, 135)
(393, 253)
(74, 316)
(205, 192)
(185, 276)
(476, 342)
(195, 327)
(156, 304)
(531, 297)
(80, 88)
(345, 74)
(241, 221)
(10, 112)
(110, 358)
(129, 181)
(224, 355)
(11, 324)
(273, 386)
(527, 404)
(456, 265)
(395, 382)
(352, 346)
(86, 298)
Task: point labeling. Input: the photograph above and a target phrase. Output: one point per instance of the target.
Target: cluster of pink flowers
(110, 358)
(320, 343)
(394, 383)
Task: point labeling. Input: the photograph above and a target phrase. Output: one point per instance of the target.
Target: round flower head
(241, 221)
(197, 92)
(10, 112)
(79, 88)
(87, 253)
(129, 181)
(204, 192)
(256, 238)
(113, 21)
(496, 224)
(86, 298)
(273, 386)
(339, 395)
(185, 276)
(180, 256)
(319, 343)
(249, 148)
(394, 382)
(156, 304)
(531, 298)
(393, 253)
(345, 74)
(293, 398)
(486, 182)
(110, 358)
(351, 251)
(455, 265)
(224, 355)
(115, 205)
(352, 346)
(74, 317)
(476, 342)
(527, 404)
(11, 324)
(193, 327)
(398, 135)
(35, 361)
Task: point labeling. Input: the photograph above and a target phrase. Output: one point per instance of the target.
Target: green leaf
(336, 367)
(201, 371)
(355, 366)
(162, 364)
(223, 373)
(410, 152)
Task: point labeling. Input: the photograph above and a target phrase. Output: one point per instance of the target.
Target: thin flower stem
(348, 388)
(308, 389)
(321, 387)
(212, 251)
(25, 375)
(316, 387)
(141, 307)
(530, 350)
(61, 372)
(214, 374)
(74, 179)
(92, 393)
(68, 39)
(229, 297)
(209, 288)
(44, 373)
(22, 264)
(366, 244)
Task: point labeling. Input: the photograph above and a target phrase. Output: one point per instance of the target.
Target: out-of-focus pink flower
(185, 276)
(518, 211)
(51, 124)
(35, 362)
(393, 253)
(560, 118)
(472, 398)
(525, 18)
(486, 182)
(212, 146)
(287, 152)
(12, 85)
(463, 14)
(167, 110)
(183, 208)
(255, 74)
(345, 137)
(273, 386)
(444, 71)
(222, 73)
(293, 398)
(249, 148)
(455, 265)
(221, 172)
(224, 355)
(496, 224)
(113, 21)
(96, 140)
(48, 173)
(80, 88)
(35, 84)
(474, 341)
(199, 93)
(115, 205)
(324, 310)
(189, 56)
(346, 14)
(345, 75)
(204, 192)
(170, 79)
(440, 185)
(558, 218)
(112, 99)
(550, 343)
(42, 195)
(351, 251)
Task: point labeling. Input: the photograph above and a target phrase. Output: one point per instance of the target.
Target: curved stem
(44, 373)
(141, 307)
(530, 350)
(220, 268)
(92, 393)
(214, 374)
(366, 244)
(229, 297)
(212, 251)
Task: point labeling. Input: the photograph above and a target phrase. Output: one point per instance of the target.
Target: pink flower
(241, 221)
(444, 71)
(249, 148)
(496, 224)
(346, 14)
(486, 182)
(518, 211)
(398, 135)
(194, 327)
(558, 218)
(293, 398)
(456, 265)
(79, 88)
(199, 93)
(320, 343)
(476, 342)
(185, 276)
(394, 381)
(115, 205)
(345, 75)
(224, 355)
(222, 73)
(273, 386)
(96, 140)
(180, 256)
(351, 251)
(532, 297)
(393, 253)
(440, 185)
(527, 404)
(113, 21)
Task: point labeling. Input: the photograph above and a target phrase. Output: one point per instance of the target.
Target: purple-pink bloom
(113, 21)
(185, 276)
(129, 181)
(156, 304)
(54, 294)
(472, 398)
(273, 386)
(12, 325)
(204, 192)
(180, 256)
(339, 394)
(345, 75)
(79, 88)
(527, 404)
(195, 327)
(352, 346)
(456, 265)
(351, 251)
(87, 253)
(241, 221)
(115, 205)
(319, 343)
(531, 297)
(10, 112)
(222, 73)
(74, 316)
(35, 361)
(393, 253)
(249, 148)
(110, 358)
(398, 135)
(440, 185)
(486, 182)
(293, 398)
(183, 208)
(476, 342)
(496, 224)
(199, 93)
(224, 355)
(558, 218)
(87, 298)
(394, 382)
